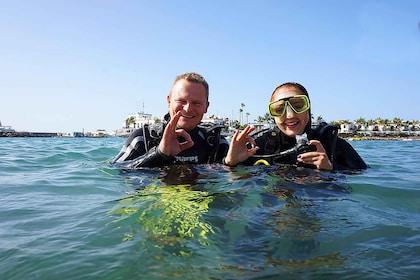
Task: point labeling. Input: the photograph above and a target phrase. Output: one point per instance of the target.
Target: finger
(253, 150)
(182, 133)
(235, 136)
(186, 145)
(318, 145)
(172, 124)
(248, 130)
(310, 157)
(251, 141)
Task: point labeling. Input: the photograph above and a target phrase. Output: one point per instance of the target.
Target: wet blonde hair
(194, 78)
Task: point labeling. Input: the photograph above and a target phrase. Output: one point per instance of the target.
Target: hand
(319, 158)
(238, 150)
(169, 145)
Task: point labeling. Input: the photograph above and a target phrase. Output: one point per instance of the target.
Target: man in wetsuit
(181, 138)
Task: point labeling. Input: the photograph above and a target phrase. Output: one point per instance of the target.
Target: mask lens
(299, 103)
(277, 108)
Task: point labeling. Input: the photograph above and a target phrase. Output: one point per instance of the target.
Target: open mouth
(291, 123)
(187, 117)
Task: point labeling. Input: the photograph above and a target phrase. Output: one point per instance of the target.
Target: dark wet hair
(292, 85)
(301, 89)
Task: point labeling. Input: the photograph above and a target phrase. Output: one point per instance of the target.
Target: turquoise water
(66, 214)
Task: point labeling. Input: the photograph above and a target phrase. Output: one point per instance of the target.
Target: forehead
(187, 89)
(286, 92)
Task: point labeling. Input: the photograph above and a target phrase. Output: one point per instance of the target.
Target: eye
(297, 103)
(277, 108)
(180, 101)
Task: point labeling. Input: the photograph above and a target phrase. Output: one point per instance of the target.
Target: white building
(134, 121)
(137, 120)
(348, 128)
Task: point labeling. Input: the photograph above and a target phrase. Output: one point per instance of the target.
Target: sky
(77, 65)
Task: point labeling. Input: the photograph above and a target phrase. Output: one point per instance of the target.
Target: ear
(208, 104)
(168, 100)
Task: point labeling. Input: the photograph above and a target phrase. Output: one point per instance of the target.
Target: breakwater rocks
(399, 138)
(28, 134)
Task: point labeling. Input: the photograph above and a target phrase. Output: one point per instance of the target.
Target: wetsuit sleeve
(346, 156)
(134, 154)
(152, 158)
(133, 147)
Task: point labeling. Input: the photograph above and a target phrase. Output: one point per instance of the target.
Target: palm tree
(259, 119)
(129, 121)
(236, 124)
(268, 118)
(247, 116)
(241, 112)
(319, 119)
(361, 122)
(397, 122)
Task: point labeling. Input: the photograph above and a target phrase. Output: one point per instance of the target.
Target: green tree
(268, 118)
(241, 111)
(236, 124)
(319, 119)
(259, 119)
(129, 121)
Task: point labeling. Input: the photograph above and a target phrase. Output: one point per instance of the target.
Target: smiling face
(191, 99)
(291, 123)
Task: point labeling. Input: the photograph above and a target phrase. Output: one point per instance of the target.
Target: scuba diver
(293, 141)
(182, 137)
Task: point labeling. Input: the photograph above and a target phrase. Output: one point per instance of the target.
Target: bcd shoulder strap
(271, 142)
(152, 134)
(328, 134)
(212, 135)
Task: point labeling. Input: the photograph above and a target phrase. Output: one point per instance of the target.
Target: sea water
(66, 214)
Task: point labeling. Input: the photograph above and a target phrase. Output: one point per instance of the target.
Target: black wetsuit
(141, 148)
(341, 154)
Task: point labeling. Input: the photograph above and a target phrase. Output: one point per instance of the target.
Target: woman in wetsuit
(290, 107)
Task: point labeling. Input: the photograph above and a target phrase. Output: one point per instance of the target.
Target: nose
(289, 111)
(186, 107)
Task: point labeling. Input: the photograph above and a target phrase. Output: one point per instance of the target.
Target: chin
(187, 125)
(293, 132)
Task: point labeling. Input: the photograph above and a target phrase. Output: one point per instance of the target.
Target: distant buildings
(134, 121)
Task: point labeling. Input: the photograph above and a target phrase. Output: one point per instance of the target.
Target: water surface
(66, 214)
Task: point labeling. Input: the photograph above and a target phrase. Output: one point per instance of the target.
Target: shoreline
(388, 138)
(347, 138)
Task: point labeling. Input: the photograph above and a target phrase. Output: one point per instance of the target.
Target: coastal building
(99, 133)
(215, 120)
(348, 128)
(134, 121)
